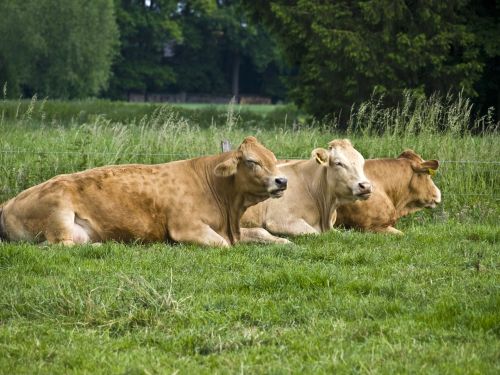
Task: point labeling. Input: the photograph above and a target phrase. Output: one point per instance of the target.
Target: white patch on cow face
(437, 195)
(348, 177)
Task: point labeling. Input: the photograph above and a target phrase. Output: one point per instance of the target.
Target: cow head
(423, 191)
(254, 169)
(345, 172)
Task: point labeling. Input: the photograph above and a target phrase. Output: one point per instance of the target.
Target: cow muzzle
(436, 199)
(363, 190)
(278, 187)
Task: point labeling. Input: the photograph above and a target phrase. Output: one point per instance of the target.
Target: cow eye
(338, 163)
(251, 163)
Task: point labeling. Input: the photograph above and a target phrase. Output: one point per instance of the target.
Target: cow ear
(409, 154)
(320, 155)
(428, 166)
(249, 140)
(226, 168)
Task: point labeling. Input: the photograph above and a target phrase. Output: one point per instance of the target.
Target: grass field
(343, 302)
(81, 111)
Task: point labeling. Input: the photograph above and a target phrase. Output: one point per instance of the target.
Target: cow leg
(63, 230)
(393, 230)
(51, 230)
(260, 235)
(291, 228)
(388, 230)
(201, 234)
(59, 235)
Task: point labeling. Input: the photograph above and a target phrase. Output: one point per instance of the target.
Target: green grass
(342, 302)
(259, 108)
(82, 111)
(32, 152)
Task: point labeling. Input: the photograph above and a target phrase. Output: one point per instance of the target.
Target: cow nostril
(364, 185)
(281, 181)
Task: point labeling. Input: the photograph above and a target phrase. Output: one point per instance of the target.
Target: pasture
(340, 302)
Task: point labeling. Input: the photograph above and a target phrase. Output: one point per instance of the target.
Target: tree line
(322, 54)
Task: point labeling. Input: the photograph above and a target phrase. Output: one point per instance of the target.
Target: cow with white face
(198, 201)
(316, 187)
(402, 186)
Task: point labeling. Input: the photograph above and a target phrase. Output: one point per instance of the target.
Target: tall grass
(342, 302)
(419, 115)
(34, 148)
(83, 111)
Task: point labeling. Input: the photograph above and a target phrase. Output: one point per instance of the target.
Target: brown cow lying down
(198, 201)
(315, 189)
(401, 186)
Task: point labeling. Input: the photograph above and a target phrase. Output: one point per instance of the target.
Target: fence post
(225, 145)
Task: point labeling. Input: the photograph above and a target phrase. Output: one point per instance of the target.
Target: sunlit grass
(342, 302)
(33, 150)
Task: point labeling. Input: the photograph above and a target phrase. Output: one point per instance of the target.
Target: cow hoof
(392, 230)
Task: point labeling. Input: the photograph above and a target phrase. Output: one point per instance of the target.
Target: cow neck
(230, 202)
(396, 183)
(315, 178)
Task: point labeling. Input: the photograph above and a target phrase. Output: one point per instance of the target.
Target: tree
(196, 58)
(146, 29)
(241, 40)
(346, 50)
(196, 46)
(484, 21)
(57, 48)
(218, 44)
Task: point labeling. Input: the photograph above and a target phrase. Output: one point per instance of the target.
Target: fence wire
(174, 155)
(177, 154)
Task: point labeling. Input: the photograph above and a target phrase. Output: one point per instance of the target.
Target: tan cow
(401, 186)
(198, 201)
(315, 189)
